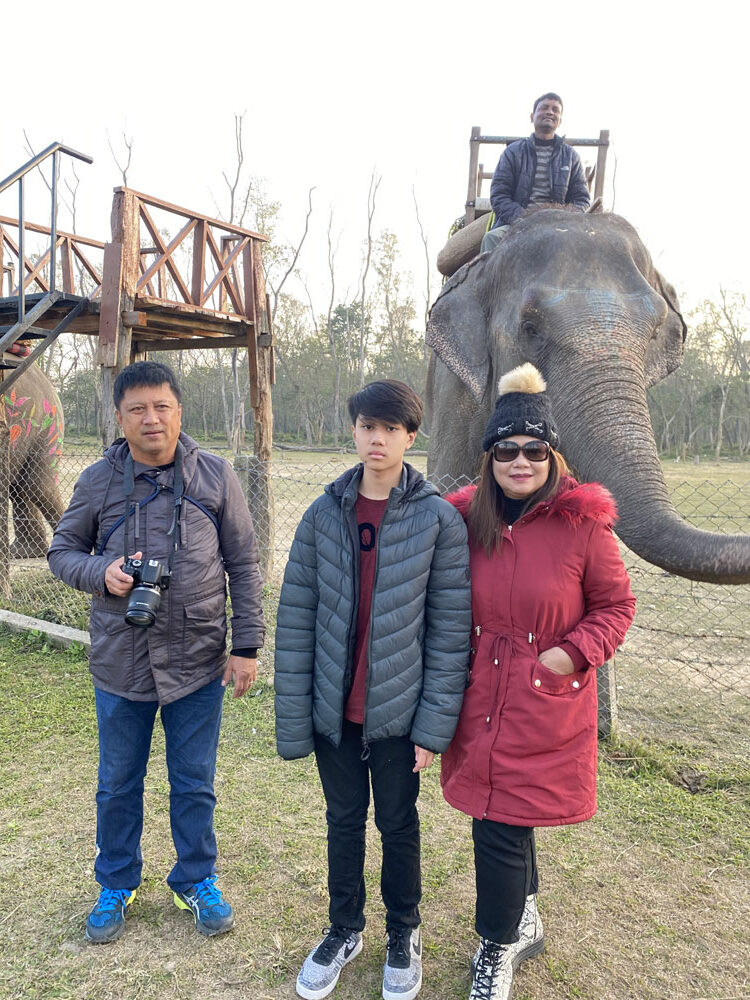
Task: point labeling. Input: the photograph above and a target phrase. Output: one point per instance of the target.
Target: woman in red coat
(551, 601)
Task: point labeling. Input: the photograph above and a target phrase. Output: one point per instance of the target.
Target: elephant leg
(36, 498)
(30, 541)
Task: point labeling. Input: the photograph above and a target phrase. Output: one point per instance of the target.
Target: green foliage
(704, 407)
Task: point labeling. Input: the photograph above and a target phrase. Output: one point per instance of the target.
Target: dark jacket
(525, 748)
(513, 179)
(186, 647)
(419, 619)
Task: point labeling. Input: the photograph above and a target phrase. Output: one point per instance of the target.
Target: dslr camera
(150, 577)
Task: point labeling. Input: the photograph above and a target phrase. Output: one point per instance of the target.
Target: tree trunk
(720, 422)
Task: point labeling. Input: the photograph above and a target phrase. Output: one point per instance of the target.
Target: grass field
(650, 899)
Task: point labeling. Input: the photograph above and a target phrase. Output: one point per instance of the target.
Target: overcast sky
(336, 90)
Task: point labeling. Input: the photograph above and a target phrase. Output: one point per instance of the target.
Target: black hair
(387, 399)
(547, 97)
(141, 373)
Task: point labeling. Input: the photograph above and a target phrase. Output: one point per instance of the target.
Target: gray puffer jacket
(186, 647)
(420, 619)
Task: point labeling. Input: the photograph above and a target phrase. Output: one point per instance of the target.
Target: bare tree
(233, 185)
(128, 144)
(277, 287)
(371, 195)
(428, 290)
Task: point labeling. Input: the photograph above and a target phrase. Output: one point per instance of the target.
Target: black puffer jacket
(420, 619)
(513, 179)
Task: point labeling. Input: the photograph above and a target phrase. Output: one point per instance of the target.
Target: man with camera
(153, 530)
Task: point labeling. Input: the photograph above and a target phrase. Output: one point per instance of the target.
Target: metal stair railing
(54, 150)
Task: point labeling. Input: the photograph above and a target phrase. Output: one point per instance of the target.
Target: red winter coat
(525, 749)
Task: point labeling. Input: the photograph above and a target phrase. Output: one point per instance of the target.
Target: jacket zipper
(350, 520)
(365, 745)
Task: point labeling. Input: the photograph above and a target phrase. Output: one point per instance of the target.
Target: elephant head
(577, 295)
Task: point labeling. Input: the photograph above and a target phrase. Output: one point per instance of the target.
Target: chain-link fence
(683, 673)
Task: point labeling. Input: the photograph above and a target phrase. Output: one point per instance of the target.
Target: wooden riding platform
(144, 291)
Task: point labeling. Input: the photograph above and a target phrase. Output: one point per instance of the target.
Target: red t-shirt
(369, 515)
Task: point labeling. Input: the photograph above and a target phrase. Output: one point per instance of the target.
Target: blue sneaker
(106, 922)
(213, 915)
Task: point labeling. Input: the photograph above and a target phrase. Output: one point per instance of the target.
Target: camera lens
(142, 606)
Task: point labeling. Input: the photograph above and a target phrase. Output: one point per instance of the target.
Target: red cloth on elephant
(525, 749)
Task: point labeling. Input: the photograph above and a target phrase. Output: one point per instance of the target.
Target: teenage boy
(372, 645)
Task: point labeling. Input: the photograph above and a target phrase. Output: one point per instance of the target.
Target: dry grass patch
(649, 900)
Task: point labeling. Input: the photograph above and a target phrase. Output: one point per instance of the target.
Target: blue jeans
(191, 729)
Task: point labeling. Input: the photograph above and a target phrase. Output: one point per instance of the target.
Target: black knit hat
(521, 408)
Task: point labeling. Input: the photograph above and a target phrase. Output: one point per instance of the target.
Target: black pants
(505, 864)
(346, 786)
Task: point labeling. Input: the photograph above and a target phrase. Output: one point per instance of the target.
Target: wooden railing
(208, 264)
(70, 250)
(210, 267)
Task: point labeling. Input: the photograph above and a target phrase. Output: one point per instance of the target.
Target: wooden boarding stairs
(42, 317)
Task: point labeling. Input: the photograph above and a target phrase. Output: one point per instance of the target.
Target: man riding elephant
(540, 169)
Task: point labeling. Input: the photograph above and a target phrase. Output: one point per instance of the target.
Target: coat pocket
(204, 630)
(112, 654)
(547, 681)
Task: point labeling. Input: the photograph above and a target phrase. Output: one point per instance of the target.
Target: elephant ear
(457, 327)
(664, 352)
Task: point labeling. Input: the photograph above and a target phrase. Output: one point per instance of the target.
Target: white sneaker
(402, 976)
(493, 972)
(493, 964)
(322, 967)
(530, 936)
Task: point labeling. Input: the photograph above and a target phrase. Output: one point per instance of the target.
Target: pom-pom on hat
(521, 408)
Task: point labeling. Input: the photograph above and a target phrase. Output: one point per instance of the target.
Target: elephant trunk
(611, 441)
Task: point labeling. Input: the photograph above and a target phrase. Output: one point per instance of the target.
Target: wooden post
(199, 263)
(606, 677)
(255, 477)
(601, 163)
(255, 472)
(471, 195)
(119, 280)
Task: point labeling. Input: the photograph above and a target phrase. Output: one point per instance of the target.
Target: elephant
(34, 417)
(578, 296)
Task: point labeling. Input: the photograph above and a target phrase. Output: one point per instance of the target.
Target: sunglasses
(507, 451)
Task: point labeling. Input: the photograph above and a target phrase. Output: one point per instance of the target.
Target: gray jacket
(420, 619)
(186, 647)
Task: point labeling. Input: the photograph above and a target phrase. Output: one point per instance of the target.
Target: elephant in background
(34, 417)
(578, 296)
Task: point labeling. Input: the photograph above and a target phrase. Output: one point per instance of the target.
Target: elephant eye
(529, 330)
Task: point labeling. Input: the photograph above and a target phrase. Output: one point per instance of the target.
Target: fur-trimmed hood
(573, 501)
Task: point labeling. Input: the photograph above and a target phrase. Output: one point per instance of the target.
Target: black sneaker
(402, 976)
(322, 968)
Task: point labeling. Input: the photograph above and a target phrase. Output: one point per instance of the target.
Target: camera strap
(128, 488)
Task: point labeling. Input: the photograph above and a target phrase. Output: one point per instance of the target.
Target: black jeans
(346, 786)
(505, 864)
